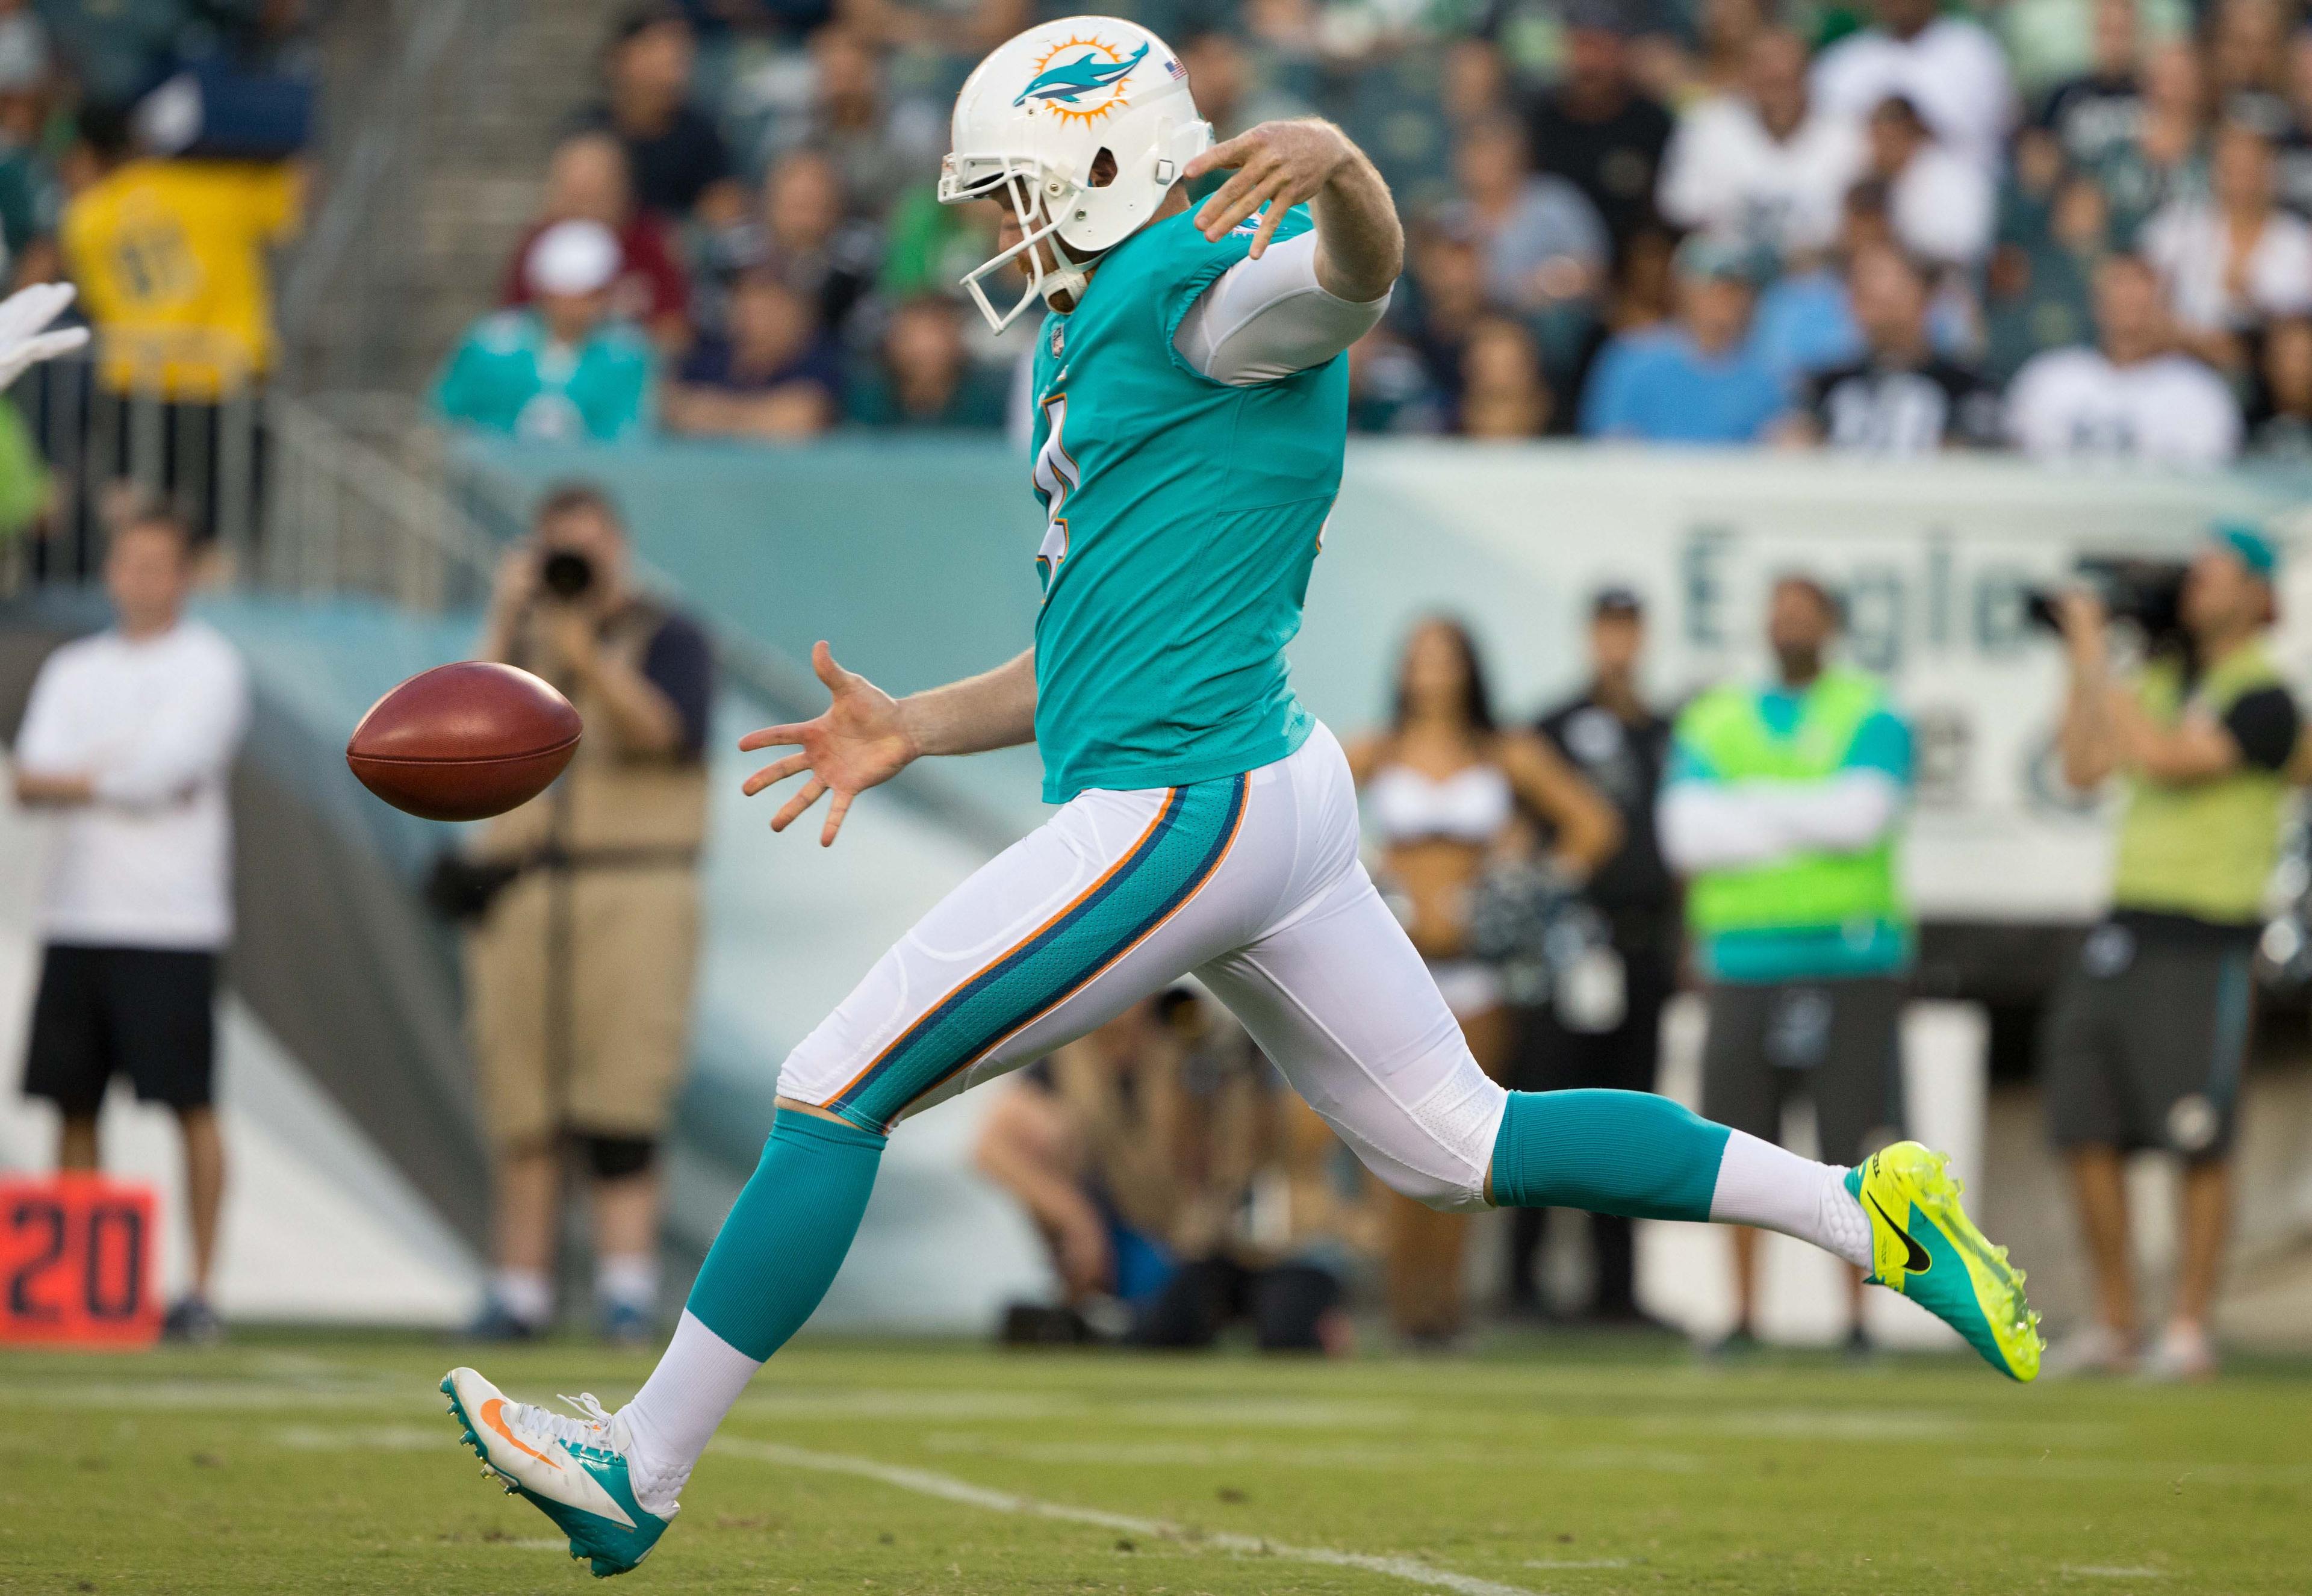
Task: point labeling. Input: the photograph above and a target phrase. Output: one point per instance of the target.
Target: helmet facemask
(1038, 200)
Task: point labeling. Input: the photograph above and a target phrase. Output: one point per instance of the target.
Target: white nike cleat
(573, 1470)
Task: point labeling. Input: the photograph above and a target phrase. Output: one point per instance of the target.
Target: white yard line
(947, 1487)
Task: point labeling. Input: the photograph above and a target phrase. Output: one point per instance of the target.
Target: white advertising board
(1935, 559)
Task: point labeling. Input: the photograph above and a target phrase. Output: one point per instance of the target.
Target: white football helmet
(1034, 117)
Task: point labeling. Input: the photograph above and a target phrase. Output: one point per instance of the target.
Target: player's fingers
(837, 808)
(812, 792)
(1226, 207)
(770, 737)
(822, 662)
(1234, 200)
(1280, 200)
(775, 772)
(1231, 153)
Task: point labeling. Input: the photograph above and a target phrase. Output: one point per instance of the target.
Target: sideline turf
(310, 1463)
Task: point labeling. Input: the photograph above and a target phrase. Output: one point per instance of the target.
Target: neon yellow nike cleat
(1923, 1245)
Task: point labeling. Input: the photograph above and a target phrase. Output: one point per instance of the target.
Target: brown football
(464, 741)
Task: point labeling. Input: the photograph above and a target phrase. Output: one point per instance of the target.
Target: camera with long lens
(2147, 594)
(565, 574)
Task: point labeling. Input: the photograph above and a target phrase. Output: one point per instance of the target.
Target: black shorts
(148, 1014)
(1837, 1043)
(2143, 1043)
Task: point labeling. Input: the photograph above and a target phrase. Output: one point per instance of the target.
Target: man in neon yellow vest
(1783, 804)
(2144, 1040)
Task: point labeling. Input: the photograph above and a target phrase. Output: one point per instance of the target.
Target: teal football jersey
(1183, 516)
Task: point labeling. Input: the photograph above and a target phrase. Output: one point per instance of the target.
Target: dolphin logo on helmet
(1086, 74)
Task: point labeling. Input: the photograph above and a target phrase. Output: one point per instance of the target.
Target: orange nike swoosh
(490, 1411)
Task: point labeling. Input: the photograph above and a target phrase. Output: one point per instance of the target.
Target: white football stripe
(946, 1486)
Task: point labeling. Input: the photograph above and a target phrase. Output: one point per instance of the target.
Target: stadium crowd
(2065, 226)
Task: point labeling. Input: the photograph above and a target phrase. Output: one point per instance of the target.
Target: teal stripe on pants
(1167, 864)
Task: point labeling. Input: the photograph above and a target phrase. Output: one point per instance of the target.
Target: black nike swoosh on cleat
(1917, 1262)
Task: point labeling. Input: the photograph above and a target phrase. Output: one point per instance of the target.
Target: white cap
(572, 258)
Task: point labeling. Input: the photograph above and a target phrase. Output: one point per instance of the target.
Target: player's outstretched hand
(22, 315)
(861, 741)
(1277, 164)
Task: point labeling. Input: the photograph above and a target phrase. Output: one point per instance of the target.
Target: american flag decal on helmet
(1175, 68)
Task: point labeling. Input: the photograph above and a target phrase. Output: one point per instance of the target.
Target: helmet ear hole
(1103, 169)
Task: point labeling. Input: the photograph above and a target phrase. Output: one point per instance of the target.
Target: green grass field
(314, 1463)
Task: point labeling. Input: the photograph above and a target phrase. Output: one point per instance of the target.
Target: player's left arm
(1588, 830)
(865, 737)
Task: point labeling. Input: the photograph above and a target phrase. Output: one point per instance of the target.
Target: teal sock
(1626, 1153)
(778, 1250)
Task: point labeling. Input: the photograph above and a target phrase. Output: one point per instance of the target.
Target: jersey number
(1056, 477)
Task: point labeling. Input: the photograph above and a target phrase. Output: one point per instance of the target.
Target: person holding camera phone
(2144, 1042)
(581, 961)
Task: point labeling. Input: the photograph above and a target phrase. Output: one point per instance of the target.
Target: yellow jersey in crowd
(171, 260)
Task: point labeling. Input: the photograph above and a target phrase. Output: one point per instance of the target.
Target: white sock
(629, 1281)
(1775, 1189)
(676, 1412)
(525, 1293)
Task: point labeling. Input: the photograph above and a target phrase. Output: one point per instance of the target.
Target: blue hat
(2252, 547)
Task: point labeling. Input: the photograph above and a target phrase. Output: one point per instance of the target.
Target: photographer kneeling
(580, 967)
(2145, 1040)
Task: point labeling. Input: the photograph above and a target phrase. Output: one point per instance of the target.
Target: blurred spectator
(2281, 426)
(1804, 322)
(2295, 144)
(1902, 397)
(580, 969)
(923, 376)
(1596, 128)
(1757, 164)
(2037, 289)
(1728, 34)
(1783, 809)
(1949, 67)
(1602, 1027)
(775, 376)
(1390, 389)
(1941, 207)
(1545, 246)
(1152, 1155)
(129, 737)
(2232, 259)
(1443, 787)
(171, 260)
(1504, 394)
(2131, 395)
(1230, 90)
(2145, 1040)
(1447, 298)
(2090, 114)
(674, 152)
(587, 180)
(2138, 173)
(562, 369)
(850, 123)
(28, 197)
(1697, 381)
(803, 237)
(2247, 62)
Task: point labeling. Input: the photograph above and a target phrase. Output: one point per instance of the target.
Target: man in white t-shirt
(1951, 68)
(128, 740)
(1762, 164)
(2129, 397)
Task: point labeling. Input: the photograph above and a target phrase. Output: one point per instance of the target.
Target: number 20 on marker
(76, 1262)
